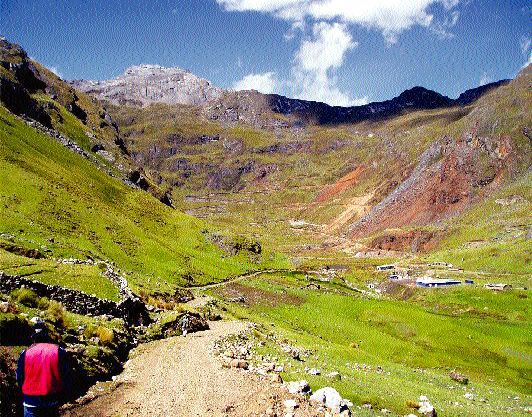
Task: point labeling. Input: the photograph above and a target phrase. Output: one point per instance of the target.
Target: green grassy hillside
(53, 200)
(390, 351)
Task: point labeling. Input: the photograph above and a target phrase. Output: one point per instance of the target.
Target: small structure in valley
(498, 287)
(385, 267)
(430, 282)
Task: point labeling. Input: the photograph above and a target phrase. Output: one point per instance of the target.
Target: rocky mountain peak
(145, 84)
(420, 97)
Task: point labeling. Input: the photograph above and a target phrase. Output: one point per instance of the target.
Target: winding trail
(239, 278)
(181, 377)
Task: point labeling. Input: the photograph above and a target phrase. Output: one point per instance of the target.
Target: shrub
(56, 313)
(27, 297)
(89, 330)
(412, 404)
(105, 335)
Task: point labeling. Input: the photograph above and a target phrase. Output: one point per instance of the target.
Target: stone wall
(131, 309)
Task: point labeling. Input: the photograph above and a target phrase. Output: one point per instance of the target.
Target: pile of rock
(458, 377)
(131, 309)
(236, 358)
(295, 352)
(424, 407)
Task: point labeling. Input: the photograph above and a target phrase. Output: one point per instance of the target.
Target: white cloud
(527, 63)
(326, 49)
(391, 17)
(316, 60)
(312, 75)
(485, 78)
(443, 28)
(524, 44)
(265, 83)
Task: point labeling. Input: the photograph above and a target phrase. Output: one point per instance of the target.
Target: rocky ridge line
(142, 85)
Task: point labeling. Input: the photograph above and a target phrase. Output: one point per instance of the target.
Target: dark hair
(40, 333)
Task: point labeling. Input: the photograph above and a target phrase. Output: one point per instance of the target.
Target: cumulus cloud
(443, 28)
(391, 17)
(315, 63)
(312, 75)
(265, 83)
(524, 44)
(322, 53)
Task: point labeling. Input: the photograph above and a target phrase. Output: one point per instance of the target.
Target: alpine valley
(129, 203)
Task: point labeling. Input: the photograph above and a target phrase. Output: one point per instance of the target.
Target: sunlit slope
(53, 200)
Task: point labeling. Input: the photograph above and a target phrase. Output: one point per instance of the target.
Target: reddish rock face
(450, 176)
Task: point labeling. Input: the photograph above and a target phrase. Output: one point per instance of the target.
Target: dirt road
(181, 377)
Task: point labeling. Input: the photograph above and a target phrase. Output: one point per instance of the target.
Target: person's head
(40, 333)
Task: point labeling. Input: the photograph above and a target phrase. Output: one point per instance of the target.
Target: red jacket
(41, 370)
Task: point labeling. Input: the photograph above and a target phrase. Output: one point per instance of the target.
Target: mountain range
(147, 84)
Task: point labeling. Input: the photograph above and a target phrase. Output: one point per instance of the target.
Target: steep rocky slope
(142, 85)
(69, 188)
(29, 89)
(147, 84)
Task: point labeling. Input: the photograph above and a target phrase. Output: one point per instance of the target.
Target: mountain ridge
(146, 84)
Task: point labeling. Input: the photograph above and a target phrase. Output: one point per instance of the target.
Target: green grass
(50, 194)
(87, 278)
(416, 343)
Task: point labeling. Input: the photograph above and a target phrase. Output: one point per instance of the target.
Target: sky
(343, 52)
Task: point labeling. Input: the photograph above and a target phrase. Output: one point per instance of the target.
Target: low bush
(29, 298)
(105, 335)
(56, 314)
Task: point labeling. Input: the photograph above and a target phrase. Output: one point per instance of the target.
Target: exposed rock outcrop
(142, 85)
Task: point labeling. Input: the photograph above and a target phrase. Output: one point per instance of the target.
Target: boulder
(299, 387)
(458, 377)
(239, 363)
(331, 399)
(426, 408)
(290, 405)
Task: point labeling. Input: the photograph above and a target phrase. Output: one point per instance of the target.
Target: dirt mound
(411, 241)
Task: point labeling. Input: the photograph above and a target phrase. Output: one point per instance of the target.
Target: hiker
(42, 374)
(184, 325)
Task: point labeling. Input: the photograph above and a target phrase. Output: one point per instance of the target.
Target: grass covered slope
(390, 351)
(57, 202)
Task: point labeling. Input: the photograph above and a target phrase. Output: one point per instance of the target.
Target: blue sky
(338, 51)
